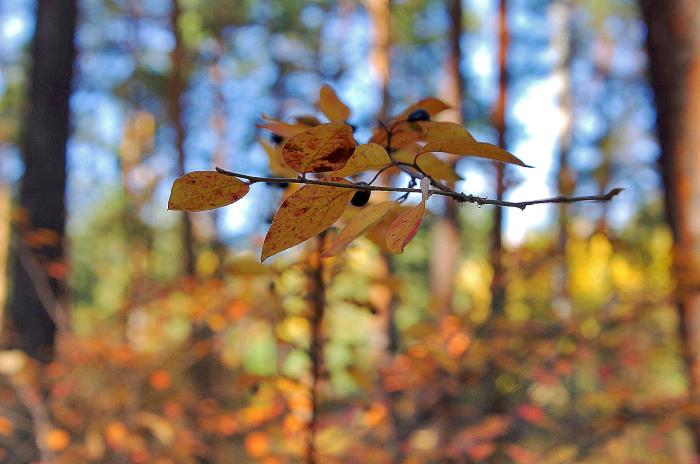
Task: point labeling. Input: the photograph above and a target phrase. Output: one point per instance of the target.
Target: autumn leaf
(369, 216)
(406, 225)
(365, 157)
(204, 190)
(405, 134)
(432, 105)
(275, 161)
(448, 137)
(331, 106)
(281, 128)
(305, 213)
(323, 148)
(429, 163)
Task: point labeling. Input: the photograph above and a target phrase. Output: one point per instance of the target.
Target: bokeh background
(558, 334)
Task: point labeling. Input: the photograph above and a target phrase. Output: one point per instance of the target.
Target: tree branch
(458, 196)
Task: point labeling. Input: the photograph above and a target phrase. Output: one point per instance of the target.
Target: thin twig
(458, 196)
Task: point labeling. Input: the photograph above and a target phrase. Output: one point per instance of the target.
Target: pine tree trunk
(446, 247)
(562, 15)
(38, 280)
(673, 44)
(176, 91)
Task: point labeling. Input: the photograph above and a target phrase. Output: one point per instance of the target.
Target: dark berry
(276, 139)
(282, 185)
(418, 115)
(361, 197)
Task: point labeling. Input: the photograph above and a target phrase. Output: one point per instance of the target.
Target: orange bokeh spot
(116, 434)
(227, 424)
(57, 439)
(257, 444)
(458, 344)
(160, 380)
(236, 310)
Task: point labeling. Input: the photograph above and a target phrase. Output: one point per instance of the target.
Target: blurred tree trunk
(564, 44)
(38, 280)
(176, 90)
(673, 44)
(495, 401)
(499, 121)
(380, 61)
(5, 218)
(380, 32)
(446, 238)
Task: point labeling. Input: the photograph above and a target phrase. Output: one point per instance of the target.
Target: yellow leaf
(369, 216)
(305, 213)
(281, 128)
(405, 134)
(431, 164)
(203, 190)
(406, 225)
(275, 161)
(331, 106)
(320, 149)
(365, 157)
(449, 137)
(430, 104)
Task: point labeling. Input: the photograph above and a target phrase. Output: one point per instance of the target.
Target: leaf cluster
(322, 155)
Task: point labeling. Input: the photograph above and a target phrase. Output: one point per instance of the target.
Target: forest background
(562, 333)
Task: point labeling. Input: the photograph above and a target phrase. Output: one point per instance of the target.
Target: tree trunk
(446, 238)
(673, 44)
(176, 90)
(495, 401)
(380, 29)
(38, 267)
(562, 14)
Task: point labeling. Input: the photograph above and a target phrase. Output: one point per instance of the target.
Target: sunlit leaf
(369, 156)
(331, 106)
(274, 159)
(405, 227)
(437, 168)
(304, 214)
(203, 190)
(370, 215)
(322, 148)
(452, 138)
(281, 128)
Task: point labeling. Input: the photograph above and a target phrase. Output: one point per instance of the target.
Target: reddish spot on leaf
(323, 148)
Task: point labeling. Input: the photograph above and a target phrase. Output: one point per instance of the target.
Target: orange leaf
(365, 157)
(305, 213)
(405, 227)
(449, 137)
(369, 216)
(281, 128)
(331, 106)
(430, 104)
(431, 164)
(320, 149)
(203, 190)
